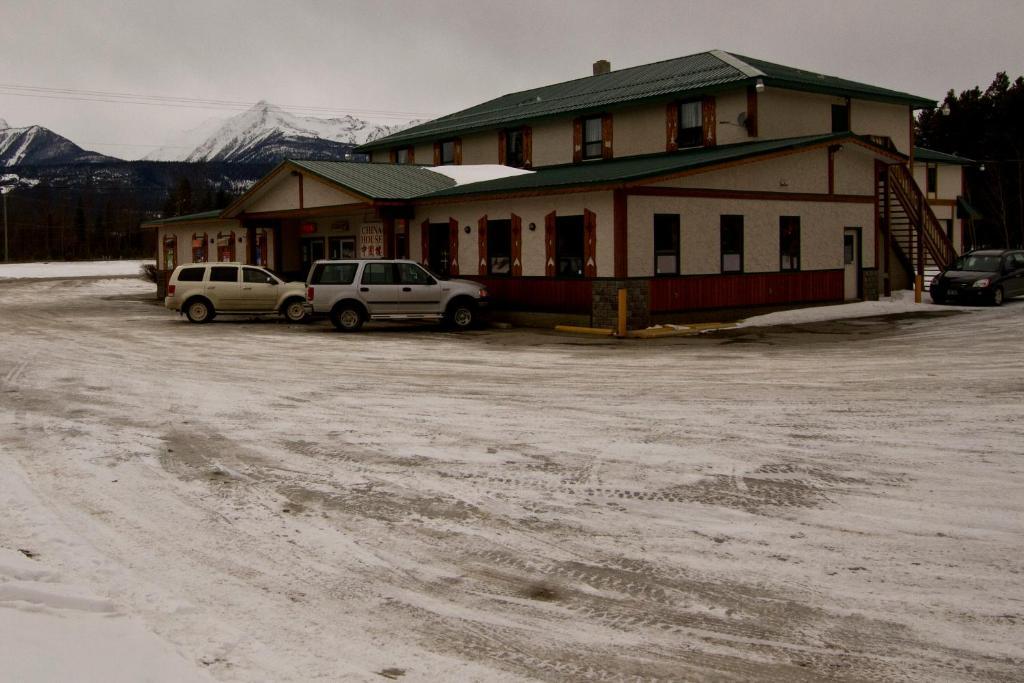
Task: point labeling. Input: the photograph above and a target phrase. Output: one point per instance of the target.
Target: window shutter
(437, 154)
(517, 246)
(481, 231)
(458, 151)
(549, 244)
(425, 240)
(412, 155)
(453, 245)
(577, 140)
(672, 127)
(502, 143)
(527, 147)
(752, 111)
(606, 136)
(393, 155)
(709, 121)
(589, 243)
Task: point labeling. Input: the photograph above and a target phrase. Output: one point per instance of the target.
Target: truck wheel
(347, 318)
(294, 311)
(462, 315)
(199, 311)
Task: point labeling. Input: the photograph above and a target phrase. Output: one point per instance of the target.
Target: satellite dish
(741, 120)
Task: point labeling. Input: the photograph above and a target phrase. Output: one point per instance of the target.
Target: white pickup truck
(350, 292)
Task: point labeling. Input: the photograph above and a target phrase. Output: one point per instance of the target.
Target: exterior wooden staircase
(910, 226)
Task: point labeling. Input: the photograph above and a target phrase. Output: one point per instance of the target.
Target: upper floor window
(593, 141)
(931, 179)
(514, 148)
(691, 125)
(840, 118)
(447, 152)
(403, 155)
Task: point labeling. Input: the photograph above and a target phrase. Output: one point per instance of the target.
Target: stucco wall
(423, 153)
(821, 232)
(480, 148)
(282, 194)
(552, 142)
(879, 118)
(531, 210)
(949, 177)
(728, 107)
(797, 172)
(210, 228)
(638, 130)
(316, 193)
(854, 171)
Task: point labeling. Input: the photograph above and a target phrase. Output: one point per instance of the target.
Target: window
(840, 118)
(191, 274)
(411, 274)
(931, 179)
(224, 274)
(341, 247)
(199, 248)
(334, 274)
(401, 245)
(403, 155)
(569, 246)
(448, 152)
(378, 274)
(225, 246)
(592, 138)
(170, 252)
(499, 247)
(789, 242)
(732, 244)
(691, 125)
(514, 149)
(260, 256)
(258, 277)
(666, 244)
(849, 252)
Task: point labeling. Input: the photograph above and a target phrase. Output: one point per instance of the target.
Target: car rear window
(379, 274)
(191, 274)
(224, 274)
(334, 274)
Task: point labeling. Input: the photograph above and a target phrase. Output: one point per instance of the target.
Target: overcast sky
(417, 58)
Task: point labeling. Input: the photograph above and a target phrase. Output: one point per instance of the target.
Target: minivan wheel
(294, 311)
(199, 311)
(997, 297)
(347, 318)
(461, 316)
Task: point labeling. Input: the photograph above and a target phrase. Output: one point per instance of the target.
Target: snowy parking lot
(254, 501)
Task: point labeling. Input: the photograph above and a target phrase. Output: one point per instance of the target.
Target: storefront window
(225, 246)
(200, 248)
(170, 252)
(260, 255)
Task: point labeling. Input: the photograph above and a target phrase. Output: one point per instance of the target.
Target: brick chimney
(602, 66)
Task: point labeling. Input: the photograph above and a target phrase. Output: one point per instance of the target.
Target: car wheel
(938, 298)
(199, 311)
(462, 315)
(997, 297)
(347, 318)
(295, 311)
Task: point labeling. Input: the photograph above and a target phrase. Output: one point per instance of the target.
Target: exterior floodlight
(759, 85)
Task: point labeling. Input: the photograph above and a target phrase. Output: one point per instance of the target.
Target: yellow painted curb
(573, 329)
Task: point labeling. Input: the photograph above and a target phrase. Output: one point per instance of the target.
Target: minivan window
(334, 274)
(191, 274)
(224, 274)
(378, 274)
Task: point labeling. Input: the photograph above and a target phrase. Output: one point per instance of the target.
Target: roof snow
(466, 175)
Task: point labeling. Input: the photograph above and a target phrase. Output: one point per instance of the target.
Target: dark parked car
(987, 276)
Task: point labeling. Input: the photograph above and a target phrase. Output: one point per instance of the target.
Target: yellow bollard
(622, 313)
(918, 288)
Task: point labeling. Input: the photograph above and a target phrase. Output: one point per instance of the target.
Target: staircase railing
(932, 237)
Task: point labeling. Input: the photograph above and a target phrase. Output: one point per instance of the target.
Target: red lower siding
(537, 294)
(753, 289)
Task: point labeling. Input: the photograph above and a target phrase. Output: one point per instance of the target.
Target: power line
(111, 97)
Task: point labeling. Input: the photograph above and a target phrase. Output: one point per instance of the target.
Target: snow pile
(466, 175)
(59, 269)
(899, 303)
(53, 631)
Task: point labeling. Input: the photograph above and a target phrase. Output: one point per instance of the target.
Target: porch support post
(888, 231)
(620, 235)
(919, 280)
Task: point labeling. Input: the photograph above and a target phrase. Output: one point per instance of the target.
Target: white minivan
(204, 290)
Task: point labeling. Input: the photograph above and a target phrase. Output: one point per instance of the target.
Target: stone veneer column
(605, 303)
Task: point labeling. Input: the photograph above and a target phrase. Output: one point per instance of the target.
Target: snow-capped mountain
(266, 133)
(38, 146)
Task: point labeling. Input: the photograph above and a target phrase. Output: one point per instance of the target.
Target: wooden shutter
(527, 147)
(502, 144)
(393, 155)
(589, 243)
(606, 136)
(425, 242)
(458, 151)
(437, 154)
(411, 156)
(453, 246)
(709, 121)
(481, 232)
(672, 127)
(549, 244)
(752, 111)
(577, 140)
(517, 246)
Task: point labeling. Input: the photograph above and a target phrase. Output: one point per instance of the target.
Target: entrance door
(851, 264)
(312, 250)
(438, 258)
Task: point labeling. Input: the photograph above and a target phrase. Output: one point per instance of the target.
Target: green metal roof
(935, 157)
(202, 216)
(636, 168)
(702, 72)
(378, 181)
